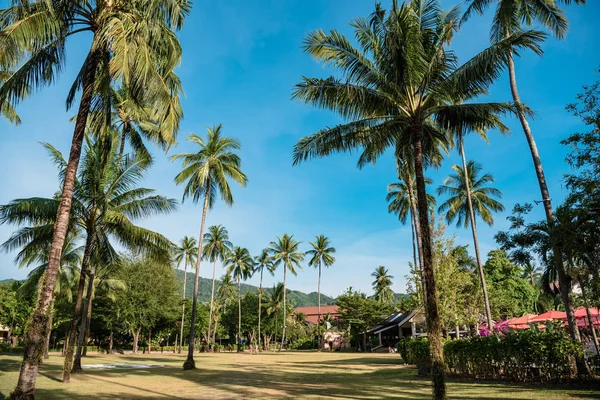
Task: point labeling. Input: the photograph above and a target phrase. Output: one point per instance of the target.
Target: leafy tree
(206, 173)
(216, 247)
(239, 265)
(412, 110)
(320, 254)
(470, 196)
(382, 285)
(186, 252)
(132, 41)
(262, 262)
(285, 252)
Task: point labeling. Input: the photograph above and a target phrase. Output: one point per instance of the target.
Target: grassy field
(301, 375)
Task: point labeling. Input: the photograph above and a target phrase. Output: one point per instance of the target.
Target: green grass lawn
(288, 375)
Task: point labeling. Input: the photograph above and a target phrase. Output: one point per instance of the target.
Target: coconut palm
(531, 272)
(274, 302)
(205, 174)
(471, 195)
(6, 108)
(186, 252)
(216, 247)
(131, 41)
(510, 16)
(320, 254)
(382, 285)
(106, 203)
(285, 252)
(399, 88)
(239, 265)
(261, 263)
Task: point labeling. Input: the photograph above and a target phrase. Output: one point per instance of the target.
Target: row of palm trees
(403, 88)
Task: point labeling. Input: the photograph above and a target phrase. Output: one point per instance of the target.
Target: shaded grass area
(269, 375)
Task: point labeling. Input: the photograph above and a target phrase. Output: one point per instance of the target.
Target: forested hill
(300, 299)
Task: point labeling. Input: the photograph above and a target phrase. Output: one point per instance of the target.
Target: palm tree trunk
(589, 315)
(69, 354)
(84, 322)
(416, 266)
(486, 300)
(563, 278)
(183, 305)
(50, 317)
(212, 296)
(189, 362)
(319, 307)
(123, 136)
(284, 306)
(239, 332)
(260, 304)
(36, 331)
(415, 216)
(434, 326)
(88, 329)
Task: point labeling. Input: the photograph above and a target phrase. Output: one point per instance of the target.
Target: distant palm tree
(186, 252)
(285, 252)
(206, 173)
(274, 303)
(320, 254)
(261, 263)
(382, 285)
(216, 247)
(239, 265)
(471, 195)
(531, 272)
(226, 292)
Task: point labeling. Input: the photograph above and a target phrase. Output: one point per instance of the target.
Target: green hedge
(523, 356)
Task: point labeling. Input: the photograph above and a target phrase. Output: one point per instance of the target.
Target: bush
(530, 355)
(304, 344)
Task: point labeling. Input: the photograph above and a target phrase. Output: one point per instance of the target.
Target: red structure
(312, 313)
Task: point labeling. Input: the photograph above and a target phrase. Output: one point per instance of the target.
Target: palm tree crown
(382, 285)
(321, 252)
(207, 171)
(285, 251)
(216, 243)
(186, 252)
(398, 197)
(239, 264)
(456, 207)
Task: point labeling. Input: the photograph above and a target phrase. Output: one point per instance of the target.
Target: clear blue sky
(240, 61)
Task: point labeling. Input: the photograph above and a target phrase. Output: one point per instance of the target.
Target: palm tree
(509, 18)
(274, 302)
(6, 109)
(399, 89)
(382, 285)
(285, 252)
(206, 173)
(187, 252)
(105, 204)
(470, 195)
(261, 263)
(320, 254)
(531, 272)
(225, 293)
(239, 266)
(216, 247)
(134, 42)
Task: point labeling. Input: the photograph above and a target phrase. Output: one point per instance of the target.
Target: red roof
(312, 313)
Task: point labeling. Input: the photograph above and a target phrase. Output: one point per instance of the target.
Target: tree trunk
(214, 336)
(212, 297)
(84, 322)
(260, 303)
(284, 306)
(584, 294)
(319, 307)
(486, 300)
(87, 328)
(183, 305)
(415, 216)
(239, 332)
(416, 266)
(36, 331)
(50, 317)
(563, 278)
(68, 364)
(149, 340)
(136, 338)
(434, 327)
(276, 324)
(123, 137)
(110, 342)
(189, 362)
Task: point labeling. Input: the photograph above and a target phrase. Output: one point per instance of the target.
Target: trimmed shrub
(416, 351)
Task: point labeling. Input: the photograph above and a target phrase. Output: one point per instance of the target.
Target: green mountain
(300, 299)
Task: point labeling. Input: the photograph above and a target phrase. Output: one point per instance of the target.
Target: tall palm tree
(531, 272)
(261, 263)
(216, 247)
(206, 173)
(186, 252)
(471, 195)
(106, 203)
(131, 41)
(399, 88)
(320, 254)
(239, 265)
(274, 302)
(285, 252)
(510, 16)
(382, 285)
(6, 108)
